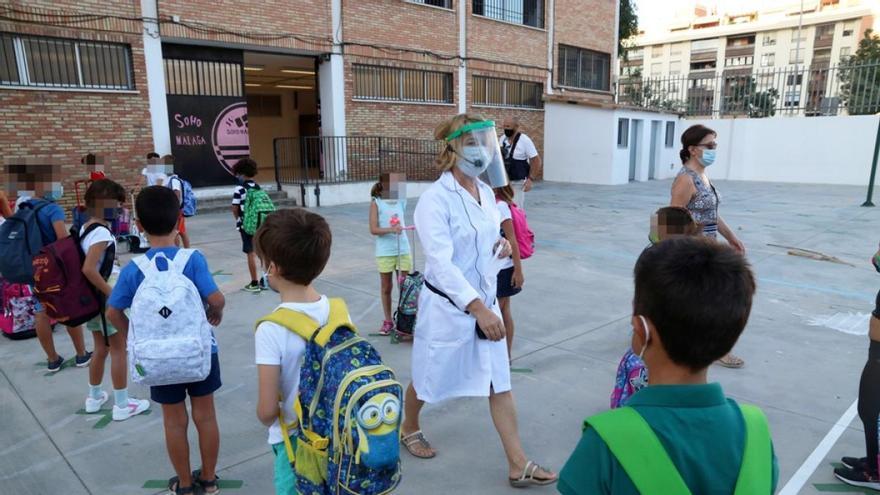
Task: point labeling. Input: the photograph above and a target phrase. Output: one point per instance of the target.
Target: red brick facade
(65, 124)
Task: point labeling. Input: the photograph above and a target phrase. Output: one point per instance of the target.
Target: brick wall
(592, 28)
(401, 24)
(65, 124)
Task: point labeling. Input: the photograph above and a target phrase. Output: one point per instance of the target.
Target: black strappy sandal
(205, 485)
(174, 487)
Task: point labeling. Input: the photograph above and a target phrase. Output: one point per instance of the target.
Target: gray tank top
(704, 203)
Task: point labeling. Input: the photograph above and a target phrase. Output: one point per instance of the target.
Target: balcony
(704, 55)
(824, 42)
(740, 50)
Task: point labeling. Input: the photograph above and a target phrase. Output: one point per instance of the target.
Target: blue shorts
(173, 394)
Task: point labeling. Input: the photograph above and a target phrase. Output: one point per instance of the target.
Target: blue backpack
(348, 412)
(20, 240)
(190, 204)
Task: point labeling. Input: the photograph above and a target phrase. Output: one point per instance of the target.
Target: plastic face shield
(476, 145)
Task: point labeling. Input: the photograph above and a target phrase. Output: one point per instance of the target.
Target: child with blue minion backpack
(316, 374)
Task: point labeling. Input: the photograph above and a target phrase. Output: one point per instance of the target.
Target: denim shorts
(173, 394)
(247, 242)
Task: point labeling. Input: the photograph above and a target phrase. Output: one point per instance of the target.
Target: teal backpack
(638, 450)
(257, 206)
(347, 415)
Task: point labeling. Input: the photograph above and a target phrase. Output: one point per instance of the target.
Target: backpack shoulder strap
(755, 476)
(513, 145)
(146, 265)
(648, 466)
(181, 259)
(294, 321)
(338, 318)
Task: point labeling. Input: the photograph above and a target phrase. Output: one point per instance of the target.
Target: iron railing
(337, 159)
(525, 12)
(845, 89)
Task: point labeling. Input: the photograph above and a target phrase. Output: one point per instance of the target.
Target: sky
(658, 12)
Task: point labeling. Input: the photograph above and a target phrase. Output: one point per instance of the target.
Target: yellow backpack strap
(294, 321)
(338, 317)
(285, 432)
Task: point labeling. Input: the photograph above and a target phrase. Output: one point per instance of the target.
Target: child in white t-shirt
(293, 246)
(103, 199)
(510, 278)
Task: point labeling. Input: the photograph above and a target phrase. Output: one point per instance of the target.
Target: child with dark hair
(245, 170)
(393, 254)
(669, 222)
(293, 246)
(157, 214)
(680, 434)
(103, 199)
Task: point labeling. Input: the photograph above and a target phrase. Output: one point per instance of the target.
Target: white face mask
(473, 161)
(647, 337)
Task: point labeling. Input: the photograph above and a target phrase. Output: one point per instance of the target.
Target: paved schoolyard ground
(805, 346)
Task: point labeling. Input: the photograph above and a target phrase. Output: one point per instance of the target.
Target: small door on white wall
(655, 149)
(635, 148)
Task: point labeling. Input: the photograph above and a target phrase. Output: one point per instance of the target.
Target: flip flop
(528, 478)
(731, 361)
(414, 438)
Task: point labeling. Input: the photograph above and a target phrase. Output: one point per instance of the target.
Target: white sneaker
(94, 405)
(135, 407)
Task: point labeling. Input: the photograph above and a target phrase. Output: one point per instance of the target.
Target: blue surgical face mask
(473, 161)
(708, 158)
(54, 194)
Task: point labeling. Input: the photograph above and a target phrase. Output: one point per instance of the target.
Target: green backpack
(257, 205)
(646, 462)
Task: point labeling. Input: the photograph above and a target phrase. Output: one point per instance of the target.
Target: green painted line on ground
(106, 417)
(841, 488)
(222, 484)
(521, 370)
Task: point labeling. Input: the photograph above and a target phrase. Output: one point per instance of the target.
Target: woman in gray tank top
(693, 190)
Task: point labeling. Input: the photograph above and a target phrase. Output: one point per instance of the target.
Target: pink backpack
(525, 238)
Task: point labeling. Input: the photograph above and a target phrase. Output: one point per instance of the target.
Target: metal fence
(845, 89)
(332, 159)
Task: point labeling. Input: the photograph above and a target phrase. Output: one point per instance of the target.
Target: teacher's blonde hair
(446, 160)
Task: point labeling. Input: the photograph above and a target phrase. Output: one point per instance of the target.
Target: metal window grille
(490, 91)
(584, 69)
(202, 78)
(446, 4)
(525, 12)
(378, 83)
(63, 63)
(849, 88)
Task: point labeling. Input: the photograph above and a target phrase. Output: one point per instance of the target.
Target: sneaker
(252, 287)
(857, 463)
(84, 360)
(94, 405)
(55, 366)
(858, 478)
(387, 327)
(135, 407)
(264, 283)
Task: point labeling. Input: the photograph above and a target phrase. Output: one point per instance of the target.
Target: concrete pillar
(331, 77)
(155, 78)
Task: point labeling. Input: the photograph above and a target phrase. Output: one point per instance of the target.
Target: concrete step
(218, 203)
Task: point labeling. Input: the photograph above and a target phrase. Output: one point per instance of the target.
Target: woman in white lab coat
(459, 348)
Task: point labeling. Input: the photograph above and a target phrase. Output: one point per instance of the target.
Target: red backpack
(60, 285)
(525, 238)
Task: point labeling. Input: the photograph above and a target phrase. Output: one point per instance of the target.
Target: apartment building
(210, 82)
(783, 48)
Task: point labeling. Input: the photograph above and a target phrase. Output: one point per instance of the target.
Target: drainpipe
(462, 54)
(551, 8)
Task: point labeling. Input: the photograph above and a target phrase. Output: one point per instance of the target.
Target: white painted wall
(809, 150)
(349, 193)
(581, 145)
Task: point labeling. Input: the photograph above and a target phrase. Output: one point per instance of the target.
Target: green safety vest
(640, 453)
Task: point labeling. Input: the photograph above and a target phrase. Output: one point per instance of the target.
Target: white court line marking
(802, 475)
(366, 311)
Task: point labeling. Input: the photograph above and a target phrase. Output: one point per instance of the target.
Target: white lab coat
(458, 236)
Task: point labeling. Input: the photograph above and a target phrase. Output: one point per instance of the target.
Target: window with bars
(379, 83)
(525, 12)
(493, 92)
(202, 78)
(446, 4)
(584, 69)
(63, 63)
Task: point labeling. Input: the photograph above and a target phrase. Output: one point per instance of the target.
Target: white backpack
(169, 337)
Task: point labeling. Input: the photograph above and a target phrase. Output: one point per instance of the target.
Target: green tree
(860, 86)
(741, 97)
(628, 27)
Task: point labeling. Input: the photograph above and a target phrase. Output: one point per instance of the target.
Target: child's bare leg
(76, 335)
(99, 359)
(507, 317)
(44, 335)
(252, 265)
(176, 422)
(387, 285)
(205, 420)
(118, 361)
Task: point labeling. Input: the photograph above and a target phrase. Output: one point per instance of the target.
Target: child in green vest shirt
(680, 435)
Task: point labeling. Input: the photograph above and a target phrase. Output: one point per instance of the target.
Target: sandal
(174, 487)
(414, 438)
(528, 477)
(205, 485)
(731, 361)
